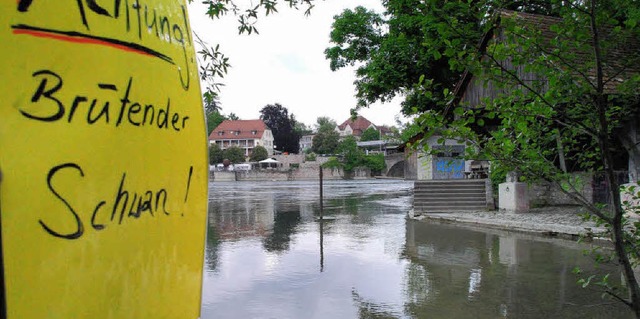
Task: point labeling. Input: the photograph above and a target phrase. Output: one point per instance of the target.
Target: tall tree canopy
(326, 139)
(282, 125)
(214, 118)
(393, 57)
(325, 123)
(302, 129)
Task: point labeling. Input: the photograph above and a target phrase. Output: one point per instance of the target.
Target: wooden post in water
(321, 207)
(321, 225)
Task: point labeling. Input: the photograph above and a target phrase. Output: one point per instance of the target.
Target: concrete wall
(545, 194)
(307, 173)
(287, 160)
(425, 167)
(411, 164)
(418, 166)
(223, 176)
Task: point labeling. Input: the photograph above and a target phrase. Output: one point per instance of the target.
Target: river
(269, 256)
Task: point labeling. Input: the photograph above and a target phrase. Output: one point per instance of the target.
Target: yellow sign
(103, 189)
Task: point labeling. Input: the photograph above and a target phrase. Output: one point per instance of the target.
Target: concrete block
(513, 197)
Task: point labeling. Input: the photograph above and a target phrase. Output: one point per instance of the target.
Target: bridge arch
(395, 165)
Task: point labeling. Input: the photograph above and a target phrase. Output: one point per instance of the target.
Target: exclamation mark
(186, 195)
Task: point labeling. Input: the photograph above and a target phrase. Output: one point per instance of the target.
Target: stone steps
(449, 195)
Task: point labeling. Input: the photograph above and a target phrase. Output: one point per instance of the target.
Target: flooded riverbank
(268, 256)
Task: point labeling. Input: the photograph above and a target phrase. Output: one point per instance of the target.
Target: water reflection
(284, 226)
(466, 273)
(268, 258)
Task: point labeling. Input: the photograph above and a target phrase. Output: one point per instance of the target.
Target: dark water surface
(268, 256)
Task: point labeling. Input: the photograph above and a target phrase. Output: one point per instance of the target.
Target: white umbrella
(269, 163)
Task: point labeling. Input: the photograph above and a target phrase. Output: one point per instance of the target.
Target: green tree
(579, 110)
(390, 53)
(302, 129)
(234, 154)
(375, 162)
(232, 116)
(325, 124)
(277, 118)
(259, 153)
(213, 120)
(352, 157)
(327, 138)
(215, 154)
(325, 142)
(370, 134)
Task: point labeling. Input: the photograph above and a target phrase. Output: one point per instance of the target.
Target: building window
(254, 132)
(220, 133)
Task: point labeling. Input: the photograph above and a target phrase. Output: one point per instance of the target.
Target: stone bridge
(395, 165)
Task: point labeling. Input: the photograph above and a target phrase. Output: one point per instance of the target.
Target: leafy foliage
(375, 162)
(325, 124)
(370, 134)
(333, 162)
(301, 129)
(310, 157)
(248, 13)
(259, 153)
(351, 155)
(215, 154)
(234, 154)
(325, 142)
(277, 118)
(213, 120)
(213, 66)
(392, 56)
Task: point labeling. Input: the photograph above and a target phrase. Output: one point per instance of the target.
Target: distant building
(245, 134)
(354, 127)
(306, 141)
(358, 126)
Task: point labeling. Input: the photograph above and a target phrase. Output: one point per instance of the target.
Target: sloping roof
(359, 125)
(384, 130)
(620, 62)
(240, 129)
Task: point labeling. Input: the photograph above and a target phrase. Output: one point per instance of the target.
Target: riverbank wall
(292, 174)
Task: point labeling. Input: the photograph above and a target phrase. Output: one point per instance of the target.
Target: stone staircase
(433, 196)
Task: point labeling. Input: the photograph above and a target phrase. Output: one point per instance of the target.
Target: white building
(245, 134)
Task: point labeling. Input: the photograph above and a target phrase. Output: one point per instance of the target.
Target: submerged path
(561, 221)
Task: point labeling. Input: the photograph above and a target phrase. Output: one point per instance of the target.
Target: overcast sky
(285, 64)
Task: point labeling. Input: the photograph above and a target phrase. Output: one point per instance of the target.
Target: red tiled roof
(384, 130)
(359, 125)
(241, 129)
